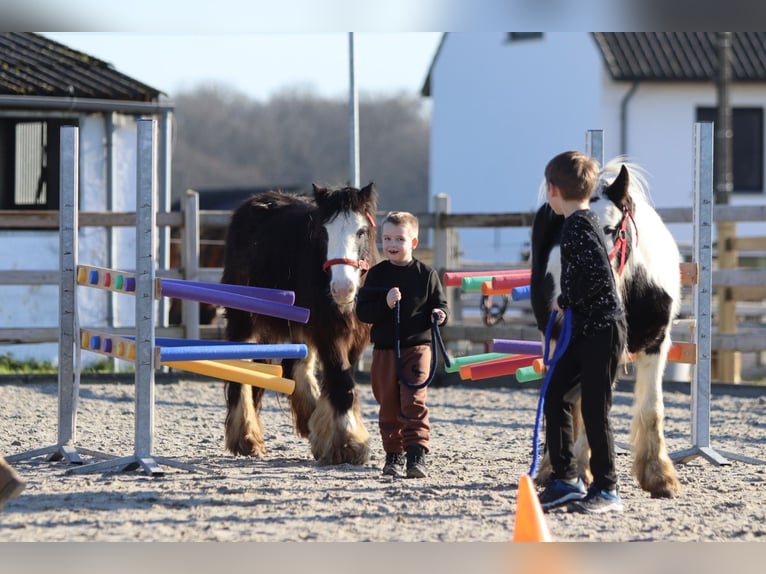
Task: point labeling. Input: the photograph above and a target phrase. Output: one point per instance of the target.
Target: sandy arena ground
(481, 445)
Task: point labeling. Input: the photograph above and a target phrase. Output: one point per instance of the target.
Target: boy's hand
(441, 316)
(393, 296)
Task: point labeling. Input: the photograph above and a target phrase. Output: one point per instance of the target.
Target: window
(520, 36)
(746, 146)
(29, 162)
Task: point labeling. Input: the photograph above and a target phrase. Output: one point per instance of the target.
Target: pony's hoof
(246, 447)
(350, 452)
(667, 489)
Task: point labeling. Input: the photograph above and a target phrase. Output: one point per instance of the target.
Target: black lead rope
(436, 339)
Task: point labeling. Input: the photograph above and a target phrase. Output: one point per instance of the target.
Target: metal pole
(594, 145)
(146, 184)
(354, 114)
(703, 253)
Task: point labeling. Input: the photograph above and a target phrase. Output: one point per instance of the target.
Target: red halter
(359, 264)
(621, 243)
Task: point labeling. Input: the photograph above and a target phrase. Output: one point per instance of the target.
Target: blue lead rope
(436, 340)
(550, 363)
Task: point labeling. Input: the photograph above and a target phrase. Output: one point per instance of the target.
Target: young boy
(403, 414)
(588, 366)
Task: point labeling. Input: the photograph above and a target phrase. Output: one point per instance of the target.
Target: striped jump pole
(264, 301)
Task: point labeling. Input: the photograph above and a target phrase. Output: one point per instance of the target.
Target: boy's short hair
(574, 173)
(403, 218)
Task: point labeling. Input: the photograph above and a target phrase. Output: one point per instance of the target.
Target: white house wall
(660, 130)
(38, 306)
(501, 110)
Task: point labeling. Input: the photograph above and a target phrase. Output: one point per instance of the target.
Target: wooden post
(190, 261)
(728, 363)
(444, 253)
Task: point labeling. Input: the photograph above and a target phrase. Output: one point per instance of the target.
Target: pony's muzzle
(343, 290)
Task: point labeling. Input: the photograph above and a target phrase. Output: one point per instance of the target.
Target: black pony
(319, 248)
(645, 260)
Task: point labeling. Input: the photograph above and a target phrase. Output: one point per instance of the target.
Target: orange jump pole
(501, 367)
(510, 282)
(247, 373)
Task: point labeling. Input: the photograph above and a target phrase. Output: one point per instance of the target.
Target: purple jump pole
(184, 290)
(516, 347)
(236, 351)
(276, 295)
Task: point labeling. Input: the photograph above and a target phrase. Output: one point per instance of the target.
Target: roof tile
(32, 65)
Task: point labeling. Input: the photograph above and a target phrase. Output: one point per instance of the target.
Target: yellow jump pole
(245, 373)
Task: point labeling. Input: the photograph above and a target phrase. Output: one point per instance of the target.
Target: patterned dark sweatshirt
(587, 282)
(421, 293)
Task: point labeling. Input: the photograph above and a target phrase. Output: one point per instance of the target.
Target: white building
(44, 85)
(503, 104)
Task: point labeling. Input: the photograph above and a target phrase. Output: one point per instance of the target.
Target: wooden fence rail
(748, 284)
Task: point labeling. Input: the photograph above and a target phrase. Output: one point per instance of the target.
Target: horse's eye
(362, 232)
(609, 230)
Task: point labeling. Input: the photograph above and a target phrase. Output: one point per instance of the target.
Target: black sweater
(587, 280)
(421, 293)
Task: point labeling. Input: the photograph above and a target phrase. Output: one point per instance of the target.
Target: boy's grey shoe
(598, 501)
(559, 492)
(394, 464)
(11, 484)
(416, 462)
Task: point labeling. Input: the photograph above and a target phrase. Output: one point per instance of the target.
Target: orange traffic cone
(530, 525)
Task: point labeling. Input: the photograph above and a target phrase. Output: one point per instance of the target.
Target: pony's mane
(345, 200)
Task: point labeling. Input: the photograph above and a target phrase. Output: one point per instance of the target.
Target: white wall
(660, 126)
(500, 111)
(39, 250)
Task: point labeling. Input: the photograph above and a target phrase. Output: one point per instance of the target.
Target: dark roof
(670, 56)
(32, 65)
(680, 56)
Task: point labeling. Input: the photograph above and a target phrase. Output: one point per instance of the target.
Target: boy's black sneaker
(416, 462)
(559, 492)
(598, 501)
(394, 464)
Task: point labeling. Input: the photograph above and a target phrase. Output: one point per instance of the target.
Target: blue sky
(261, 64)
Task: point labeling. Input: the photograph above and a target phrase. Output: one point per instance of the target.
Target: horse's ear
(369, 195)
(617, 192)
(319, 192)
(368, 191)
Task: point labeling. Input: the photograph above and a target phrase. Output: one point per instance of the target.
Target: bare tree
(225, 139)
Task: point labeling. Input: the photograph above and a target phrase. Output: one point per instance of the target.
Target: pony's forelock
(639, 185)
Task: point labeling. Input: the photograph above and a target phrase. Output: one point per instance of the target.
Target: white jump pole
(146, 354)
(68, 223)
(594, 145)
(702, 305)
